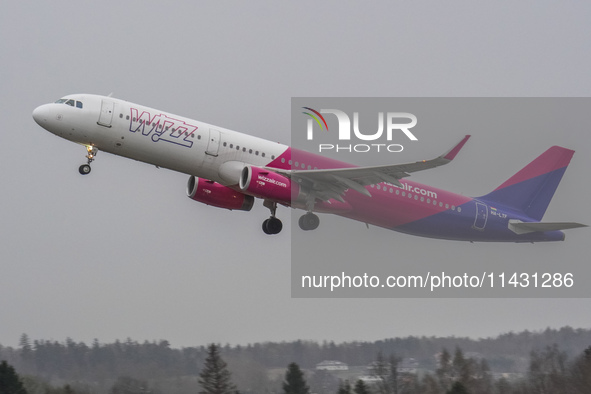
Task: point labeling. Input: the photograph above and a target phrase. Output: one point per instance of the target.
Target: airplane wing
(332, 183)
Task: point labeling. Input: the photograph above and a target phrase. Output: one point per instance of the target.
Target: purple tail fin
(532, 188)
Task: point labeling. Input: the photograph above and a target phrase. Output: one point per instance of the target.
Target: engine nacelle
(267, 184)
(212, 193)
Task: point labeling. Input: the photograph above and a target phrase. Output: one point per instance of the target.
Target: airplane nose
(40, 114)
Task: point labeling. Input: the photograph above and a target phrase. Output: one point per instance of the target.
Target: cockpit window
(70, 102)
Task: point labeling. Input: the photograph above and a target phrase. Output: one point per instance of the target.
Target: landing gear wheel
(272, 226)
(265, 230)
(91, 152)
(84, 169)
(309, 221)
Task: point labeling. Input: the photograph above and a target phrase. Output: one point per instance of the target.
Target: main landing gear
(91, 153)
(272, 225)
(309, 221)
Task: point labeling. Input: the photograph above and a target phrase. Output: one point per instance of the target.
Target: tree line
(507, 353)
(549, 372)
(256, 367)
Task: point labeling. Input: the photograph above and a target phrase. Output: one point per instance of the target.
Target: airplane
(228, 169)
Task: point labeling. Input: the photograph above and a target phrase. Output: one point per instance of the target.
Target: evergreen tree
(457, 388)
(24, 344)
(344, 388)
(547, 371)
(294, 381)
(430, 385)
(361, 388)
(381, 371)
(10, 382)
(444, 371)
(393, 375)
(387, 372)
(580, 374)
(215, 377)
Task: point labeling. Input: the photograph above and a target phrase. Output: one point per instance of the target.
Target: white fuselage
(156, 137)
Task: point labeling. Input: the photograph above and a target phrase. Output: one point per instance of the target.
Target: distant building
(370, 379)
(331, 365)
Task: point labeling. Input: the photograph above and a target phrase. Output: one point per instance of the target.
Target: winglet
(449, 155)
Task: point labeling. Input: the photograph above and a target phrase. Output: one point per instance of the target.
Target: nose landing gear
(91, 153)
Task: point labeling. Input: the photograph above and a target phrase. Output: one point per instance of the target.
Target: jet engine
(267, 184)
(212, 193)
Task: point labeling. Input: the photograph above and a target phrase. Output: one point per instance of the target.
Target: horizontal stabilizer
(519, 227)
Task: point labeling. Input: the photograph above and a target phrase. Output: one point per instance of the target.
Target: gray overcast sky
(124, 253)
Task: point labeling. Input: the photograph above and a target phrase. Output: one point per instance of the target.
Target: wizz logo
(162, 128)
